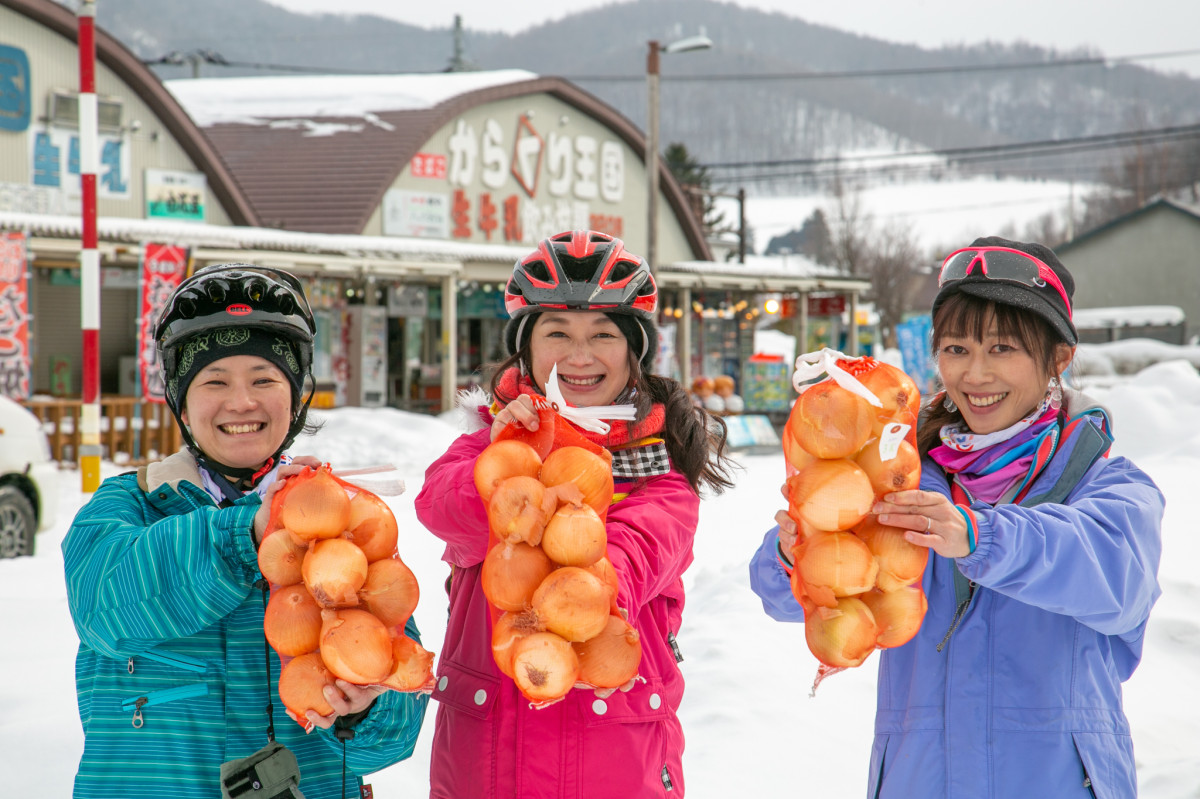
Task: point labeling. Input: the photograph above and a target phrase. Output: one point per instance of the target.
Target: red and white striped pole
(89, 262)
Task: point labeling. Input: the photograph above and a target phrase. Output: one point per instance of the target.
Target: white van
(28, 480)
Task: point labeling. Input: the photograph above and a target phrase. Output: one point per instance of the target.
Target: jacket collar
(170, 472)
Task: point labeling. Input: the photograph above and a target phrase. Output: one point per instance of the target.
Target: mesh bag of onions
(340, 594)
(850, 439)
(551, 589)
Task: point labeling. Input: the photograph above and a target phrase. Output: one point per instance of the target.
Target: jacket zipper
(175, 659)
(160, 697)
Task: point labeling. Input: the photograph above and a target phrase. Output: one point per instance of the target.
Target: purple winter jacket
(488, 742)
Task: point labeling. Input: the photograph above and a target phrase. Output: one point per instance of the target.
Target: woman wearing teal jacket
(174, 675)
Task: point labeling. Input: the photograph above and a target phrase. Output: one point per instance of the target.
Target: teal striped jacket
(171, 671)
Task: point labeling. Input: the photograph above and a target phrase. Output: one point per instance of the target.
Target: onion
(843, 636)
(585, 469)
(355, 646)
(898, 614)
(334, 570)
(796, 456)
(830, 421)
(501, 460)
(292, 621)
(506, 631)
(511, 573)
(832, 565)
(390, 591)
(603, 569)
(412, 665)
(831, 494)
(372, 526)
(900, 561)
(302, 684)
(573, 603)
(279, 558)
(518, 510)
(575, 535)
(896, 390)
(544, 666)
(611, 658)
(315, 507)
(900, 473)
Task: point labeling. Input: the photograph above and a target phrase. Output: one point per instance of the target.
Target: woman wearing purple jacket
(585, 305)
(1044, 557)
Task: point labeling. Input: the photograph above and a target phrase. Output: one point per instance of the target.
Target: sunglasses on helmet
(1002, 263)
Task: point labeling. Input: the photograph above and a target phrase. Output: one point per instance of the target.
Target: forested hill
(753, 97)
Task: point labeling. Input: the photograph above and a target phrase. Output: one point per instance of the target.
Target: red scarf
(512, 383)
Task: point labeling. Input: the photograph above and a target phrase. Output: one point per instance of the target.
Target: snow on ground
(752, 729)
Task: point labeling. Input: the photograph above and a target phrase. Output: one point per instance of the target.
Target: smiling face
(238, 410)
(994, 379)
(590, 350)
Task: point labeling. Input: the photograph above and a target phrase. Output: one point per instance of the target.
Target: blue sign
(914, 338)
(14, 89)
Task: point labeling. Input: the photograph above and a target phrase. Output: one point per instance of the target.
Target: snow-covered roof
(371, 254)
(766, 273)
(393, 248)
(257, 100)
(1128, 316)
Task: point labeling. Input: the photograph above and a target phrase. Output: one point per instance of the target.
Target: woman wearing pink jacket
(585, 305)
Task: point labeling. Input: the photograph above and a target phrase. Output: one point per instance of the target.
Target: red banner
(15, 358)
(163, 269)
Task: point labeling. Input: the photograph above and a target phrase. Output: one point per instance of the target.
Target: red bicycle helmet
(582, 270)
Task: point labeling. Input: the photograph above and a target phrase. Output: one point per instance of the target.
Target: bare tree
(892, 258)
(851, 233)
(888, 257)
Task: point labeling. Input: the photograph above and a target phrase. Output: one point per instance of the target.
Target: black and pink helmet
(582, 270)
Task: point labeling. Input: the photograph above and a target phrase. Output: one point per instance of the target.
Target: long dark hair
(695, 439)
(965, 315)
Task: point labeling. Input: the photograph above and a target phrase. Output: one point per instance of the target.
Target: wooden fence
(132, 431)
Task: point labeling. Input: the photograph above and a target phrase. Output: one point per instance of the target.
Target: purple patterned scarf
(989, 465)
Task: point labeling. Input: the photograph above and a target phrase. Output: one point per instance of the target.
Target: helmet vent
(538, 271)
(621, 271)
(216, 291)
(579, 270)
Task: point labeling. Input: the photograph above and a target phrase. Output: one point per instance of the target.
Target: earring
(1055, 393)
(948, 403)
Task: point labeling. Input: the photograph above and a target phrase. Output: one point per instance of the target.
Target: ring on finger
(928, 524)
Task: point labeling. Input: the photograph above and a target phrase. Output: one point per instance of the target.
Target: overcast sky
(1116, 27)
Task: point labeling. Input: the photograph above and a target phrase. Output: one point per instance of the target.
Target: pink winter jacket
(487, 741)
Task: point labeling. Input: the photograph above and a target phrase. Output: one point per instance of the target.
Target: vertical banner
(914, 337)
(162, 270)
(15, 360)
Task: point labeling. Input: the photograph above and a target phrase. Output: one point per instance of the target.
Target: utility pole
(89, 256)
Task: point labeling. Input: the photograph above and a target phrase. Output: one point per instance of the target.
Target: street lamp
(689, 44)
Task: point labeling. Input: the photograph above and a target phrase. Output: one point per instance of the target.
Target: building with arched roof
(402, 200)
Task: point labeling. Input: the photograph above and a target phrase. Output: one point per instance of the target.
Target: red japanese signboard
(15, 358)
(162, 270)
(428, 165)
(826, 306)
(817, 306)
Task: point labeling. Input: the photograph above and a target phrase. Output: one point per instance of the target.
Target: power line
(983, 153)
(900, 71)
(178, 58)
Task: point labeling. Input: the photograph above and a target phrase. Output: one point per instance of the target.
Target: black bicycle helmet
(582, 270)
(236, 295)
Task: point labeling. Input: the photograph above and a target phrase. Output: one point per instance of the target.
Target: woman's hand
(263, 516)
(930, 519)
(519, 412)
(345, 698)
(787, 528)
